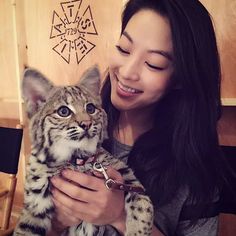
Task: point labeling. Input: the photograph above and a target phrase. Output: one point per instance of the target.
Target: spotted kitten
(67, 123)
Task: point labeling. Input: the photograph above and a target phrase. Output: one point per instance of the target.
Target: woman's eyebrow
(128, 36)
(160, 52)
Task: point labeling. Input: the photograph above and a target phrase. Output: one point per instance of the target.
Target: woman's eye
(154, 67)
(64, 111)
(90, 108)
(120, 49)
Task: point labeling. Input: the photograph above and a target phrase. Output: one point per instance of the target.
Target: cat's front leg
(35, 219)
(83, 229)
(28, 225)
(139, 214)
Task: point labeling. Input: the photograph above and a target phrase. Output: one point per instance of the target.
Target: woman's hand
(79, 196)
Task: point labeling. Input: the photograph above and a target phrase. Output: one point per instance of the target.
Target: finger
(69, 204)
(80, 210)
(74, 191)
(65, 215)
(60, 208)
(83, 179)
(98, 174)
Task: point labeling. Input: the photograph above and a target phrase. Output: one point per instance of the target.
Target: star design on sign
(70, 31)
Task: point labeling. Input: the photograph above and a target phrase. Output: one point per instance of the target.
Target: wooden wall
(54, 43)
(45, 34)
(62, 42)
(224, 16)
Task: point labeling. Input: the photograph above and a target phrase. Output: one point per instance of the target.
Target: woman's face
(141, 63)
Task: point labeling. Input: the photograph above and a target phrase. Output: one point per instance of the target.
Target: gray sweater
(167, 218)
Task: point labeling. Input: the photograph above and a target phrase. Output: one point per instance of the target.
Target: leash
(112, 184)
(109, 182)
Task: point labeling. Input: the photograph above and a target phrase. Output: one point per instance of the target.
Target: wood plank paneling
(7, 53)
(227, 225)
(224, 17)
(227, 126)
(41, 16)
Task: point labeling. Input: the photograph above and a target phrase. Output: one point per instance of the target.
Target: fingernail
(64, 173)
(53, 180)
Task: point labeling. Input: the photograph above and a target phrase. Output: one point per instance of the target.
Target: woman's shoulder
(177, 215)
(167, 215)
(204, 227)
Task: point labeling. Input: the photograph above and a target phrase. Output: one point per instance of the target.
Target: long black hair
(182, 149)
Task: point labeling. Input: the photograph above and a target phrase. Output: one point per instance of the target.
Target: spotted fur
(68, 123)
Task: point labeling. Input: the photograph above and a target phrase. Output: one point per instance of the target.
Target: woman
(162, 97)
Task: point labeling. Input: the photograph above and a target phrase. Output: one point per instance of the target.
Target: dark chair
(10, 146)
(227, 223)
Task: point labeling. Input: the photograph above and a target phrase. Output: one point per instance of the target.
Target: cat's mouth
(81, 160)
(86, 135)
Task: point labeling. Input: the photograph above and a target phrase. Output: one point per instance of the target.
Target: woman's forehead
(149, 29)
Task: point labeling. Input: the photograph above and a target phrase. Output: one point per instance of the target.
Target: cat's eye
(90, 108)
(63, 111)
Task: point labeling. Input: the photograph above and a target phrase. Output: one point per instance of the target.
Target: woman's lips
(128, 89)
(125, 90)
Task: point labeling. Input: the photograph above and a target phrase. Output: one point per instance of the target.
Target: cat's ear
(35, 89)
(91, 79)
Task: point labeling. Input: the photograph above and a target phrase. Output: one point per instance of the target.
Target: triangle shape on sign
(58, 26)
(63, 49)
(82, 48)
(86, 23)
(71, 10)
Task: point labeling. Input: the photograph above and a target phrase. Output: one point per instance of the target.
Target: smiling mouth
(127, 89)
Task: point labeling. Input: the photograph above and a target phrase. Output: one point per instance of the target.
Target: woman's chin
(118, 104)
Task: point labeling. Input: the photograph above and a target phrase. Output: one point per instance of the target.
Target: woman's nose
(130, 70)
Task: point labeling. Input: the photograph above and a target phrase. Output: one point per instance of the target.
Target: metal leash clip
(100, 168)
(112, 184)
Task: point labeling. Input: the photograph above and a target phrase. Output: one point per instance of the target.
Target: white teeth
(127, 89)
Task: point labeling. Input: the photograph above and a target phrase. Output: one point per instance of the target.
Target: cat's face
(64, 119)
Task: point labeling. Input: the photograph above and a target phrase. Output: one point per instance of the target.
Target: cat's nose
(85, 124)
